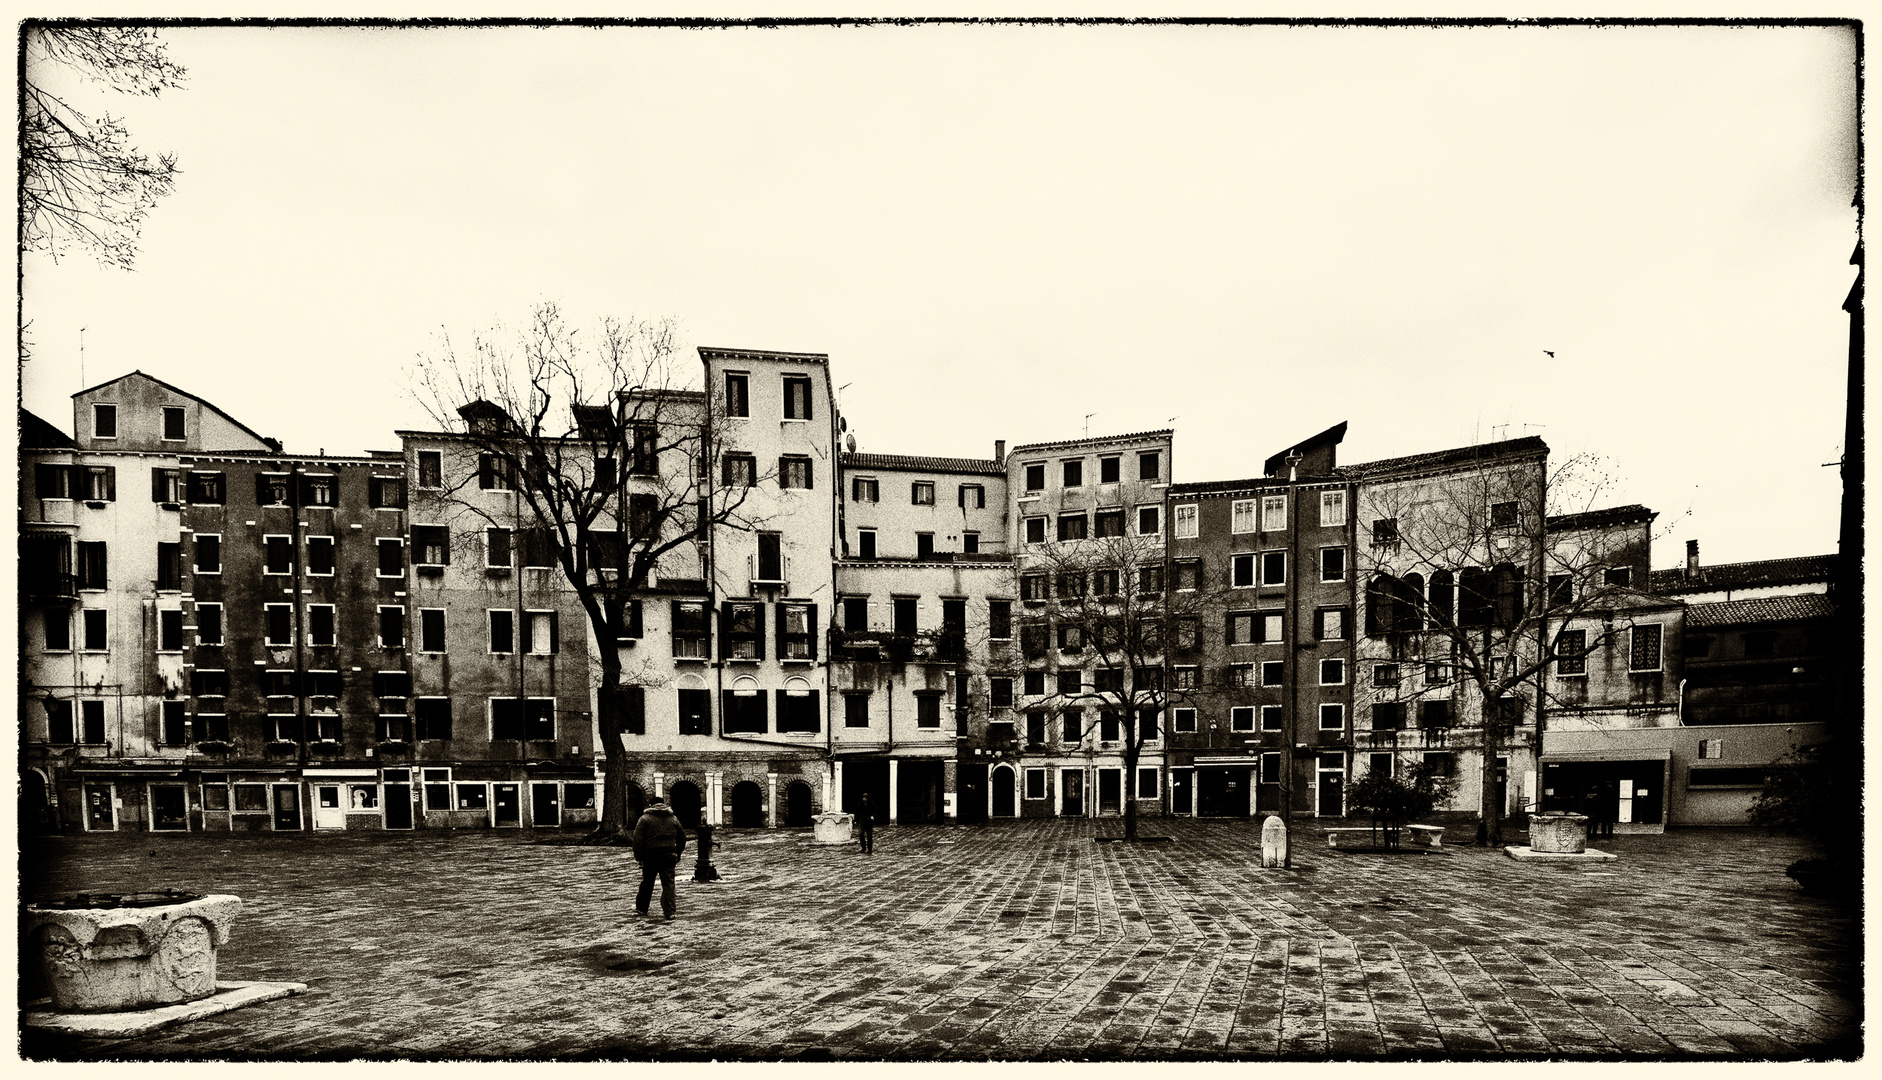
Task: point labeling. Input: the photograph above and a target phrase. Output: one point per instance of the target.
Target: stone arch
(798, 805)
(1442, 598)
(636, 801)
(1002, 780)
(683, 797)
(748, 805)
(35, 802)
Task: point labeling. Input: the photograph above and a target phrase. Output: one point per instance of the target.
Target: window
(1273, 513)
(320, 624)
(391, 557)
(279, 625)
(208, 553)
(1241, 628)
(94, 619)
(92, 720)
(1571, 653)
(385, 492)
(434, 718)
(272, 489)
(924, 545)
(970, 543)
(1385, 531)
(1108, 681)
(1333, 564)
(1711, 748)
(1388, 716)
(1332, 508)
(1502, 515)
(1000, 692)
(277, 554)
(865, 543)
(1071, 639)
(1385, 675)
(1149, 465)
(1072, 727)
(1238, 676)
(497, 548)
(1332, 716)
(431, 545)
(320, 556)
(1108, 470)
(1242, 718)
(1274, 568)
(169, 566)
(927, 708)
(973, 496)
(798, 708)
(502, 631)
(1149, 520)
(1146, 783)
(53, 481)
(744, 631)
(1035, 530)
(1036, 476)
(865, 489)
(1183, 719)
(471, 796)
(166, 485)
(1071, 683)
(206, 488)
(526, 718)
(1035, 783)
(739, 470)
(794, 473)
(1000, 619)
(1072, 526)
(59, 721)
(797, 397)
(101, 483)
(431, 468)
(1150, 580)
(209, 683)
(1332, 672)
(1330, 624)
(58, 630)
(1104, 583)
(1645, 652)
(1273, 672)
(1271, 718)
(319, 491)
(1242, 516)
(1437, 674)
(1618, 576)
(431, 630)
(1035, 682)
(170, 630)
(538, 546)
(392, 628)
(1698, 645)
(1184, 521)
(1434, 714)
(1036, 728)
(737, 395)
(1032, 587)
(104, 421)
(921, 493)
(1074, 473)
(797, 632)
(1186, 678)
(856, 710)
(1188, 575)
(1242, 571)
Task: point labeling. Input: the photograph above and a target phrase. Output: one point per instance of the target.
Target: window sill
(752, 660)
(798, 661)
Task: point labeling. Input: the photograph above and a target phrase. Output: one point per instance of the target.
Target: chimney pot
(1692, 560)
(999, 450)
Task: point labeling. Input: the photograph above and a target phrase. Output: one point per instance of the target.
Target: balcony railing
(48, 587)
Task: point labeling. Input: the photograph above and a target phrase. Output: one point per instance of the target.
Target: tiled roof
(1746, 575)
(1764, 609)
(1528, 444)
(37, 434)
(918, 463)
(1208, 487)
(1096, 440)
(1613, 515)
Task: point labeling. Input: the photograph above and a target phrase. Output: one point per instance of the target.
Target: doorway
(1071, 793)
(1003, 792)
(287, 807)
(1331, 777)
(1222, 792)
(329, 812)
(918, 792)
(1182, 791)
(169, 810)
(970, 805)
(545, 806)
(683, 797)
(1110, 791)
(35, 802)
(506, 805)
(868, 776)
(100, 808)
(748, 805)
(797, 805)
(398, 799)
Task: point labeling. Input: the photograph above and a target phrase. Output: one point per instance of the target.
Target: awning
(132, 770)
(1636, 754)
(315, 774)
(1246, 761)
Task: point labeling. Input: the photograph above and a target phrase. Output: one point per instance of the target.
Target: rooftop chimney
(999, 450)
(1692, 560)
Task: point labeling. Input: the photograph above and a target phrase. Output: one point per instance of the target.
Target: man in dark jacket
(866, 825)
(658, 842)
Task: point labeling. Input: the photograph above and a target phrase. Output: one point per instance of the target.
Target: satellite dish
(849, 441)
(842, 423)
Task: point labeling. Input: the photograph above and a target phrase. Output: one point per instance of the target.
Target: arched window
(1477, 592)
(1381, 604)
(1507, 582)
(1411, 592)
(1441, 598)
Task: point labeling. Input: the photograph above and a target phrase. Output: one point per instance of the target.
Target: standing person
(866, 825)
(658, 841)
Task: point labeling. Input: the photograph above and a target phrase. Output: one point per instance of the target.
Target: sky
(1631, 241)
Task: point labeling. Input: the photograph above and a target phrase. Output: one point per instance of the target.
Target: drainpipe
(1290, 673)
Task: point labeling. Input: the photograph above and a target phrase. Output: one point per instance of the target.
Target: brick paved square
(1020, 940)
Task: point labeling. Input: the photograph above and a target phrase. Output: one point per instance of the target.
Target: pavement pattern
(1018, 940)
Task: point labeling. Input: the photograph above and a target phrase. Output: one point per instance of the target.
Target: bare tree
(1481, 578)
(1110, 605)
(81, 180)
(609, 456)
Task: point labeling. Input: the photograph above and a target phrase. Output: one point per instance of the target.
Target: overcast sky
(1247, 233)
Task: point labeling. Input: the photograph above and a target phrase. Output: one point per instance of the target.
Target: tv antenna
(1088, 417)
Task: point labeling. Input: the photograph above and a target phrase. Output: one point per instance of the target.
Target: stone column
(715, 798)
(833, 787)
(771, 800)
(659, 785)
(894, 771)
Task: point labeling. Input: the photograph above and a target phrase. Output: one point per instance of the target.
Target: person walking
(866, 825)
(658, 841)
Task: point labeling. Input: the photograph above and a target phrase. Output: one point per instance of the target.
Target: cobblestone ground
(1019, 940)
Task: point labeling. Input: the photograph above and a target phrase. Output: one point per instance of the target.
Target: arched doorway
(684, 798)
(748, 805)
(35, 807)
(797, 808)
(636, 801)
(1003, 792)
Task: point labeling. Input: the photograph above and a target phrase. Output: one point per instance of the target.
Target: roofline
(198, 398)
(763, 354)
(1092, 440)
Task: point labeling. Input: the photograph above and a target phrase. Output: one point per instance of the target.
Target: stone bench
(1417, 836)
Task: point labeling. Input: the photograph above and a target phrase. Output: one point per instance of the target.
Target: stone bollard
(1558, 834)
(832, 827)
(1273, 842)
(116, 954)
(703, 870)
